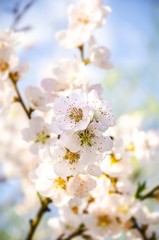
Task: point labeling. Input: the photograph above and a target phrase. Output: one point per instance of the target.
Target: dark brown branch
(139, 228)
(150, 194)
(44, 202)
(86, 61)
(19, 99)
(142, 230)
(81, 229)
(35, 222)
(19, 14)
(81, 49)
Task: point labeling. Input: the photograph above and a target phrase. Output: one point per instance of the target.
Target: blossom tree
(79, 160)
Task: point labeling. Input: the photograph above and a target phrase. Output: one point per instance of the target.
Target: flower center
(76, 114)
(123, 209)
(71, 157)
(75, 209)
(42, 137)
(73, 76)
(15, 76)
(131, 148)
(84, 20)
(114, 159)
(60, 183)
(3, 66)
(86, 138)
(103, 221)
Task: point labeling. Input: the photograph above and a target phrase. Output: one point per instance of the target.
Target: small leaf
(140, 189)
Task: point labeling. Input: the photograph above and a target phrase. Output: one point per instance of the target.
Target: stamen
(71, 157)
(42, 137)
(76, 114)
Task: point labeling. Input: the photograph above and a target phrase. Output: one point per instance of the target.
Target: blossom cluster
(11, 70)
(84, 18)
(70, 119)
(115, 205)
(83, 165)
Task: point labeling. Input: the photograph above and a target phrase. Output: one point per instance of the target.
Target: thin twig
(81, 49)
(3, 179)
(35, 222)
(80, 230)
(44, 202)
(19, 98)
(142, 230)
(19, 14)
(139, 228)
(150, 194)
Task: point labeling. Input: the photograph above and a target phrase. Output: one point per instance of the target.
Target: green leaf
(140, 189)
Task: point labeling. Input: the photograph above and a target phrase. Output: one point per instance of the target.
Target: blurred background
(132, 35)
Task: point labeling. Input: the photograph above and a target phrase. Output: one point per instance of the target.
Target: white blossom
(90, 141)
(9, 39)
(37, 99)
(103, 116)
(87, 15)
(8, 61)
(67, 75)
(84, 17)
(73, 112)
(6, 96)
(67, 163)
(51, 185)
(72, 38)
(99, 55)
(80, 186)
(38, 133)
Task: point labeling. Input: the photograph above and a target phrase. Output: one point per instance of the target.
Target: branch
(86, 61)
(81, 49)
(81, 229)
(150, 194)
(19, 98)
(142, 230)
(19, 14)
(44, 202)
(35, 222)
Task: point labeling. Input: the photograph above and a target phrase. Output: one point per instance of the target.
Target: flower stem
(35, 222)
(142, 230)
(80, 230)
(19, 99)
(19, 13)
(81, 49)
(44, 202)
(139, 228)
(150, 194)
